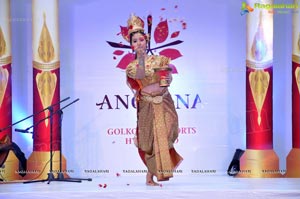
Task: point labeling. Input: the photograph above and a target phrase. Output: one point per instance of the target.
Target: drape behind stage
(208, 89)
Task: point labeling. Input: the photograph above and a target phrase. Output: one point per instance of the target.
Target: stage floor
(133, 187)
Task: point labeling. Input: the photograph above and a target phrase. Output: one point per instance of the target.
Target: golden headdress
(134, 24)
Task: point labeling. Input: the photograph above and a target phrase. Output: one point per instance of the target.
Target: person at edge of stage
(157, 119)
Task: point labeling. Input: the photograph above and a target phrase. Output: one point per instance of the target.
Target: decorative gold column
(5, 70)
(293, 158)
(11, 165)
(46, 88)
(259, 159)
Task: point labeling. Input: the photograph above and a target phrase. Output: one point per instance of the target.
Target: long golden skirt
(157, 130)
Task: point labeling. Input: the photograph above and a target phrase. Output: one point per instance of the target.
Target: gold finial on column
(4, 75)
(259, 83)
(297, 75)
(45, 49)
(46, 83)
(2, 43)
(259, 46)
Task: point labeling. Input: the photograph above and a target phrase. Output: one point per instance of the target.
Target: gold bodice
(152, 61)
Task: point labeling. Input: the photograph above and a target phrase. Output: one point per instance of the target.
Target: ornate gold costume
(157, 122)
(152, 62)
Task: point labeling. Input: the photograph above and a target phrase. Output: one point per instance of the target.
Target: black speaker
(3, 156)
(234, 166)
(4, 144)
(4, 150)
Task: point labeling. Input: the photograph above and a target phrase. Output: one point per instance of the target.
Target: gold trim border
(296, 58)
(5, 60)
(43, 66)
(255, 65)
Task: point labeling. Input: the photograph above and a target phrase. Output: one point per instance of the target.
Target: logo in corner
(245, 8)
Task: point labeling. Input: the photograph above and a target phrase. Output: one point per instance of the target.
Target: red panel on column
(42, 131)
(295, 107)
(6, 105)
(259, 136)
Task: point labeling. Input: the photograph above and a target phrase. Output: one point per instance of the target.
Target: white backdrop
(212, 67)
